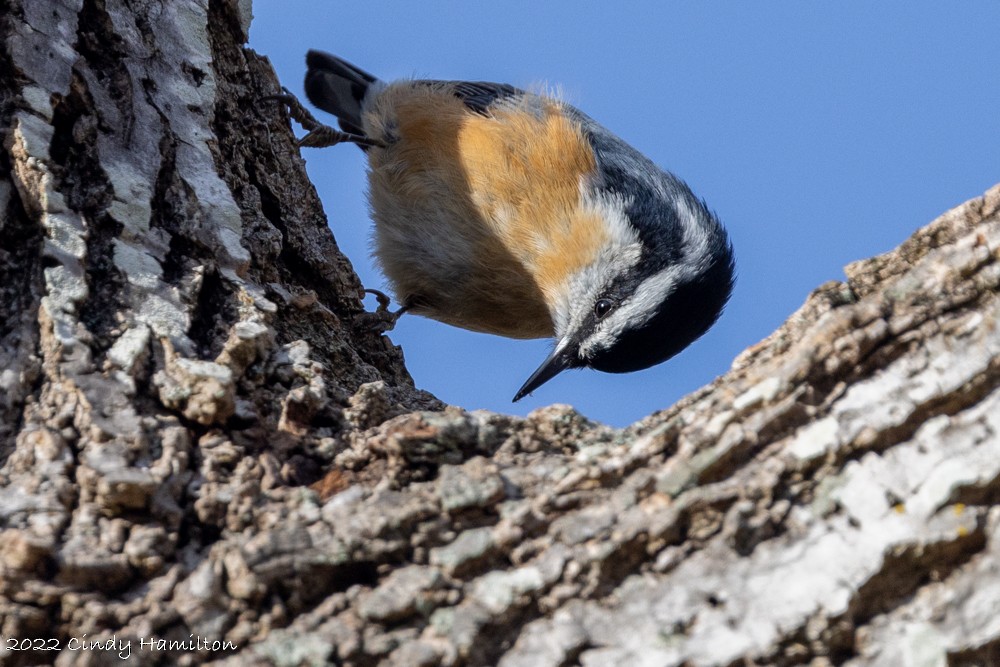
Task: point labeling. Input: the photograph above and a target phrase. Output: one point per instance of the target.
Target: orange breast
(481, 216)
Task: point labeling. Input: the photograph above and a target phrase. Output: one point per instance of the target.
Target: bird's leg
(383, 319)
(318, 135)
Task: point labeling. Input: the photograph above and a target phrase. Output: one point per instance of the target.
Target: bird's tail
(338, 87)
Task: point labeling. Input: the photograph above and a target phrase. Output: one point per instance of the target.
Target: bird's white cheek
(595, 343)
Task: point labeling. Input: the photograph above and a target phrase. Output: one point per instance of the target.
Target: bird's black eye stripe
(603, 307)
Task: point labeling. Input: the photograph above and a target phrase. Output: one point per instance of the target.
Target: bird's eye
(603, 307)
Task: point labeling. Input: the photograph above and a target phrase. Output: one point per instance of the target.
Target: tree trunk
(211, 455)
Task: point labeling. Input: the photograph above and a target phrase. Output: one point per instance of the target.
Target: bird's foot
(382, 320)
(317, 135)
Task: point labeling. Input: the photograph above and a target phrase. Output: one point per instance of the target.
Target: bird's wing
(479, 96)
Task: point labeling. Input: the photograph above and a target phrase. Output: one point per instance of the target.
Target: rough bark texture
(203, 439)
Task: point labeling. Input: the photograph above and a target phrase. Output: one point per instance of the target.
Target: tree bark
(205, 440)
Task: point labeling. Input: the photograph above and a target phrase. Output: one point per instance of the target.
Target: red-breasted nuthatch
(513, 213)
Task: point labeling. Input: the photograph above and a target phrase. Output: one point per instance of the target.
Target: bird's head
(656, 287)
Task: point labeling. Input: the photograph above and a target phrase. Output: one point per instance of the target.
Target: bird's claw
(382, 320)
(317, 135)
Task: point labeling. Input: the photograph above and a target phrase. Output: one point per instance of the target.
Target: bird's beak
(563, 357)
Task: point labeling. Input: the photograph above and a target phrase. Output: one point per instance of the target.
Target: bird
(511, 212)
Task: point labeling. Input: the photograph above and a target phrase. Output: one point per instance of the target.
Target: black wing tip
(479, 96)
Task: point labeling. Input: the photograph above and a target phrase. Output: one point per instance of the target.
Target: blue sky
(820, 133)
